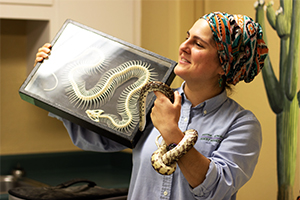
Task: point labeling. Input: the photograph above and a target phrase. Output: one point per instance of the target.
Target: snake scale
(164, 161)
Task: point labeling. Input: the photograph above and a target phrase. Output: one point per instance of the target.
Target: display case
(93, 79)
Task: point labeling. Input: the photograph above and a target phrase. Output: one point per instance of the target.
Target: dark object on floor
(66, 191)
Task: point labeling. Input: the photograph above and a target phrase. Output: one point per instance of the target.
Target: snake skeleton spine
(102, 92)
(128, 100)
(78, 75)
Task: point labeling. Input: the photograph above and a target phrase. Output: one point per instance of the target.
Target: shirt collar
(210, 104)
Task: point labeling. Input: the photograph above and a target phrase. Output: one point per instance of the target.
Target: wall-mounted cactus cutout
(282, 95)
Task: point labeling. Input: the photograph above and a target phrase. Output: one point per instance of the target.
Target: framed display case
(93, 79)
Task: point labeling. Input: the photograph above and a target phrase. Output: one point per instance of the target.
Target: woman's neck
(197, 94)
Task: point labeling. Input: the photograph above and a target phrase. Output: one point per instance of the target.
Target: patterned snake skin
(164, 161)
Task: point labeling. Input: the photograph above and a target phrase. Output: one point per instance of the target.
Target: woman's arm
(89, 140)
(165, 117)
(223, 171)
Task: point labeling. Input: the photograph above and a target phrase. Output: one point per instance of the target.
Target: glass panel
(88, 71)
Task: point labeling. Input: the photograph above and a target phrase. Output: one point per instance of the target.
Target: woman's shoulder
(238, 111)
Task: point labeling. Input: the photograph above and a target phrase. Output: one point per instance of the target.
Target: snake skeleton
(127, 102)
(164, 161)
(105, 88)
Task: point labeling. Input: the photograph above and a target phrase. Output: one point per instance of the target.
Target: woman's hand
(165, 117)
(43, 53)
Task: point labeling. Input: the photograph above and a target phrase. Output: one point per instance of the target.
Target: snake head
(94, 114)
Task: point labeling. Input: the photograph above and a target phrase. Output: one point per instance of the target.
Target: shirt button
(165, 193)
(204, 112)
(185, 119)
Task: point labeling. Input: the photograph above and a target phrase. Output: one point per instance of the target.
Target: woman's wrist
(172, 136)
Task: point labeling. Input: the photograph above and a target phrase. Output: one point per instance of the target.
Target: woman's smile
(183, 60)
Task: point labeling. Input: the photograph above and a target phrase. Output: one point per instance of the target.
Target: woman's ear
(221, 71)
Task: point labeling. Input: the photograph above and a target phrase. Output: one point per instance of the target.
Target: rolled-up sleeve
(233, 162)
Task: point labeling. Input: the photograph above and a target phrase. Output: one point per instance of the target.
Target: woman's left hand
(165, 117)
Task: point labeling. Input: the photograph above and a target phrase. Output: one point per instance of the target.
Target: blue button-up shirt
(229, 136)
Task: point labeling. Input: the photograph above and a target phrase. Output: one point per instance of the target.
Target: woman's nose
(185, 46)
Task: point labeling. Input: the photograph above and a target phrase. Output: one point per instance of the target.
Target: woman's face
(198, 58)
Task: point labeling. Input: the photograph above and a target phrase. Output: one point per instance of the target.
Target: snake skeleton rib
(105, 88)
(76, 84)
(102, 92)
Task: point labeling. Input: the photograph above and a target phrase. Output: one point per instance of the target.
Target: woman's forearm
(194, 167)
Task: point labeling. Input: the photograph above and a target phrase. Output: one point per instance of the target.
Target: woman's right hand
(43, 53)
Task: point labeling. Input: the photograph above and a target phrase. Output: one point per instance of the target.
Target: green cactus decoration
(282, 95)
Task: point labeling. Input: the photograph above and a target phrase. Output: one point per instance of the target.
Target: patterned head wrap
(240, 45)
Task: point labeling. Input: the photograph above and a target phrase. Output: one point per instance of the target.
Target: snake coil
(164, 161)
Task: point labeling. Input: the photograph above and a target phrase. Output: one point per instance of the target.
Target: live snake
(164, 161)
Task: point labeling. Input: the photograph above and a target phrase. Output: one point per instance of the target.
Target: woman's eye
(199, 44)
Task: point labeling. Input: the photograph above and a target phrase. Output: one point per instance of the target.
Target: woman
(220, 49)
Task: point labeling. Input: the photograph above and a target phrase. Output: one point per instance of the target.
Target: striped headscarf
(240, 45)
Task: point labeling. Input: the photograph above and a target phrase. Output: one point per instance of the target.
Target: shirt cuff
(207, 185)
(55, 116)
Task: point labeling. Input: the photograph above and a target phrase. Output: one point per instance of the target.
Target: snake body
(150, 87)
(164, 161)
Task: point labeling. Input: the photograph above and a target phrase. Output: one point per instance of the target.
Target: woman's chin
(179, 70)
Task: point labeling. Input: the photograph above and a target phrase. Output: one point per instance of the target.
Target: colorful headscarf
(240, 45)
